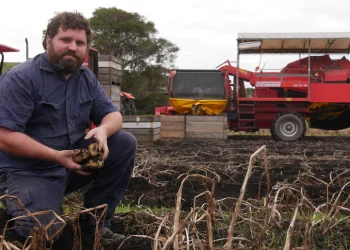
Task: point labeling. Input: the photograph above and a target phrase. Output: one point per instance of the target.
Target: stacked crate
(206, 127)
(146, 129)
(193, 127)
(110, 76)
(172, 127)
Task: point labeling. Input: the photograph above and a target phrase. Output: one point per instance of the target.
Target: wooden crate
(110, 76)
(206, 127)
(193, 127)
(108, 61)
(107, 88)
(109, 70)
(146, 129)
(117, 103)
(115, 93)
(172, 127)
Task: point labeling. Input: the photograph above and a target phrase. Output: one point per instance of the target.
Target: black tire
(305, 130)
(273, 135)
(288, 127)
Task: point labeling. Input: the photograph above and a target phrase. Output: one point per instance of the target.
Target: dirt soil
(159, 170)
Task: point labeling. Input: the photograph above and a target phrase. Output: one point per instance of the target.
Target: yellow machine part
(198, 107)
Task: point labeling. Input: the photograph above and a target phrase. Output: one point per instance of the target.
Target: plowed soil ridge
(310, 163)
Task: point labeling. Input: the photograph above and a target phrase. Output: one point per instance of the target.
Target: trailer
(313, 89)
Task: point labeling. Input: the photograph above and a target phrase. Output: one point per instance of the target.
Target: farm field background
(309, 179)
(188, 194)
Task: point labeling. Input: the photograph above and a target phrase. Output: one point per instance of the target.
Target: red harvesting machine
(314, 89)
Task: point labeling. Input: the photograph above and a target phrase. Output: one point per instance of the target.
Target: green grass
(8, 66)
(121, 208)
(124, 208)
(129, 208)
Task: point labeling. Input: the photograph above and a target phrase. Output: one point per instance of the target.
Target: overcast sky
(204, 30)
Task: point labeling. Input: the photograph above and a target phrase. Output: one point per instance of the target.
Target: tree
(249, 92)
(145, 57)
(130, 37)
(149, 87)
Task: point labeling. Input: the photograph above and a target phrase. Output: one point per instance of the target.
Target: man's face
(67, 50)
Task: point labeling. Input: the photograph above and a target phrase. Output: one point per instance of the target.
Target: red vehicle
(314, 89)
(3, 49)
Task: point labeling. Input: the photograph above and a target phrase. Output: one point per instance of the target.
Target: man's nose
(72, 46)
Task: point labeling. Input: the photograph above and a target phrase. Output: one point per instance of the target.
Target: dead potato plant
(286, 210)
(41, 237)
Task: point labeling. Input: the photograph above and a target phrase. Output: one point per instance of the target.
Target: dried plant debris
(231, 195)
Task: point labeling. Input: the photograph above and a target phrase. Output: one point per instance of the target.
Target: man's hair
(68, 20)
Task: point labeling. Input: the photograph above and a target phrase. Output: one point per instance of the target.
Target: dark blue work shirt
(39, 102)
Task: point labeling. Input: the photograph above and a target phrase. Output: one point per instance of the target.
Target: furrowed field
(198, 195)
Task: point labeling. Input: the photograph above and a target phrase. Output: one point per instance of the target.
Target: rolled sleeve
(102, 105)
(16, 102)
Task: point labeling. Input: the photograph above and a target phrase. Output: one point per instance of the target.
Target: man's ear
(47, 41)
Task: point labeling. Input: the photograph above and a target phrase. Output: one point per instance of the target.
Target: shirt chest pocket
(84, 110)
(47, 113)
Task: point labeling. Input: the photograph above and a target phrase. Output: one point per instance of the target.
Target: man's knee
(124, 141)
(31, 202)
(27, 218)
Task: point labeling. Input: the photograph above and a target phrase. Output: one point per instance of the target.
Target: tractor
(312, 90)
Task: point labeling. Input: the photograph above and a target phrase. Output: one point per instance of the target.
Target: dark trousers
(38, 193)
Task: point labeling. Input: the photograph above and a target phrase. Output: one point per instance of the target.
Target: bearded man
(46, 104)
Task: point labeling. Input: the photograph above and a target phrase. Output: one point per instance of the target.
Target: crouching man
(46, 104)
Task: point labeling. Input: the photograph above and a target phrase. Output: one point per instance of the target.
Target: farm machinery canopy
(304, 43)
(314, 88)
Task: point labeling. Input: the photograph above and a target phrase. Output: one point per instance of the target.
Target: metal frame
(276, 44)
(281, 43)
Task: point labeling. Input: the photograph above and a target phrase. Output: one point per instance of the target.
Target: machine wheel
(288, 127)
(273, 135)
(305, 129)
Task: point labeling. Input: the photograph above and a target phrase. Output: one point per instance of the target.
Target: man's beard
(64, 66)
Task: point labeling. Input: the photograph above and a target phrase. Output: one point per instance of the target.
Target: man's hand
(110, 125)
(100, 136)
(65, 159)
